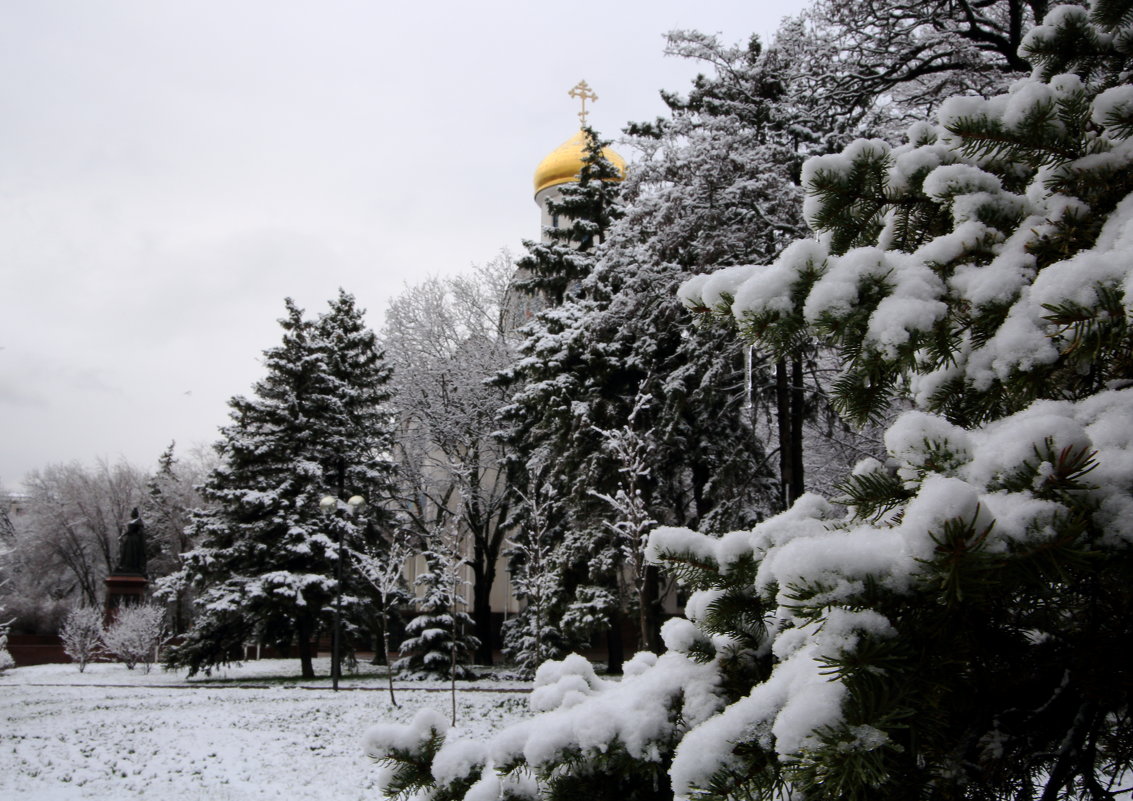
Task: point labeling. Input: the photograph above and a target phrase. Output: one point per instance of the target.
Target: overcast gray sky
(170, 171)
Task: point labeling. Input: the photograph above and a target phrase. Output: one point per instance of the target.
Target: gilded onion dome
(563, 164)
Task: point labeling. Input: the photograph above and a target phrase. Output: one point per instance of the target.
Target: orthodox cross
(583, 92)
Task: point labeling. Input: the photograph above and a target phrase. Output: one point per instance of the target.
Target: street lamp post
(330, 503)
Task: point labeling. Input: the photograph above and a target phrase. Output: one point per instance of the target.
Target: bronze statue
(132, 547)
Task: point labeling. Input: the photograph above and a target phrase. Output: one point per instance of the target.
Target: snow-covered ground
(248, 733)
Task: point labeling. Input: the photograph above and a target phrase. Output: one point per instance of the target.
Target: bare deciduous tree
(383, 569)
(76, 514)
(444, 339)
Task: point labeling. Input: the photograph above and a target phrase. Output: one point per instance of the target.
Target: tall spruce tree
(171, 496)
(358, 446)
(265, 566)
(552, 366)
(613, 361)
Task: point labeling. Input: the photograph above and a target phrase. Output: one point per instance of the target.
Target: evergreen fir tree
(166, 512)
(356, 460)
(265, 565)
(439, 639)
(552, 363)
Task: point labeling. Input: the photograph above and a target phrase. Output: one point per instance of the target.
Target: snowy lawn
(251, 732)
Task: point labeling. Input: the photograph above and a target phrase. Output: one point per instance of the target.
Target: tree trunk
(482, 615)
(452, 656)
(389, 662)
(783, 420)
(651, 610)
(798, 414)
(304, 630)
(615, 646)
(789, 413)
(380, 633)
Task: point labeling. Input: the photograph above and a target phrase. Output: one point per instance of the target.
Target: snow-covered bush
(135, 634)
(82, 635)
(954, 629)
(6, 661)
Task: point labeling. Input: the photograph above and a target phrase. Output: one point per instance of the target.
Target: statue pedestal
(123, 591)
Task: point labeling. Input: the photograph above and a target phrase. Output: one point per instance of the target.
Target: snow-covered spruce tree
(429, 649)
(315, 425)
(171, 495)
(356, 447)
(546, 380)
(439, 642)
(955, 634)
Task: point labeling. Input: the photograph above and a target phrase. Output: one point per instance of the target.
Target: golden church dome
(564, 163)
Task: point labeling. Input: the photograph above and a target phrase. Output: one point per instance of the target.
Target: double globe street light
(330, 504)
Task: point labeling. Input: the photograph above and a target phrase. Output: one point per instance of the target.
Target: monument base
(123, 591)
